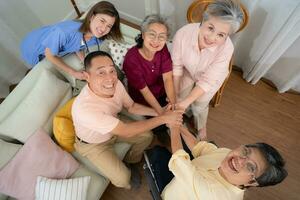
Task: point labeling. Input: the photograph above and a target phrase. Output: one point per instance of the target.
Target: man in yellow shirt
(220, 173)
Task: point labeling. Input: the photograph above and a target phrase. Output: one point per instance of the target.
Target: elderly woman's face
(155, 37)
(213, 32)
(242, 166)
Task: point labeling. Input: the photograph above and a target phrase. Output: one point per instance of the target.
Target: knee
(122, 179)
(148, 137)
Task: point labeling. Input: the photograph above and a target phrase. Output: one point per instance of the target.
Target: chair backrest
(196, 9)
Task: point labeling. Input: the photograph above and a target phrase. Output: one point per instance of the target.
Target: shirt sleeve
(177, 53)
(166, 61)
(203, 148)
(55, 41)
(215, 74)
(133, 72)
(181, 166)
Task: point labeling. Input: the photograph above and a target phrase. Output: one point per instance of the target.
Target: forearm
(177, 80)
(169, 87)
(194, 94)
(58, 62)
(139, 109)
(188, 137)
(151, 100)
(134, 128)
(176, 143)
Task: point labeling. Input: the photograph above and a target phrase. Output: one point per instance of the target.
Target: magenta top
(141, 73)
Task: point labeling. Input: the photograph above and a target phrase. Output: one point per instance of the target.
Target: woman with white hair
(201, 54)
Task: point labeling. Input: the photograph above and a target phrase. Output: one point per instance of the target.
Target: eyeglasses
(250, 166)
(152, 36)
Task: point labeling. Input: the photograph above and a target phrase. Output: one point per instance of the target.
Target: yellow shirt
(200, 179)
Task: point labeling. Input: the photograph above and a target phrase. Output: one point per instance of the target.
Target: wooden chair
(194, 14)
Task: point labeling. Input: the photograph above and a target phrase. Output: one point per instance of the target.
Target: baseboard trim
(267, 81)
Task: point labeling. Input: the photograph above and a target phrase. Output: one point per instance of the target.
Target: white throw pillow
(118, 51)
(35, 110)
(66, 189)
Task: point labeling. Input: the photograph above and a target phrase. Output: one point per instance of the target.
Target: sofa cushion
(40, 156)
(97, 184)
(57, 189)
(63, 128)
(7, 151)
(35, 109)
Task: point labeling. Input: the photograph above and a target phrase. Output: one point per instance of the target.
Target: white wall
(131, 10)
(17, 18)
(175, 10)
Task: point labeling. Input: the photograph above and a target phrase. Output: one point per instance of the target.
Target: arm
(177, 80)
(60, 64)
(195, 94)
(169, 87)
(139, 109)
(149, 97)
(176, 143)
(188, 137)
(135, 128)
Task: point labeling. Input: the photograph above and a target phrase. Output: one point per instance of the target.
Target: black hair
(90, 56)
(275, 171)
(139, 41)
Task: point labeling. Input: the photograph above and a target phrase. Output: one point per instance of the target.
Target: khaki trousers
(199, 109)
(106, 160)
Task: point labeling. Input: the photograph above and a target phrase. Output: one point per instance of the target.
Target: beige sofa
(33, 103)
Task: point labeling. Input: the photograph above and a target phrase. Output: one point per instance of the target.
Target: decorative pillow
(40, 156)
(118, 52)
(67, 189)
(36, 108)
(63, 127)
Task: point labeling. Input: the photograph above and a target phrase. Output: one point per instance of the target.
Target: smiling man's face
(102, 76)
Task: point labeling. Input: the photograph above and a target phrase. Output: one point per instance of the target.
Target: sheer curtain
(267, 47)
(12, 69)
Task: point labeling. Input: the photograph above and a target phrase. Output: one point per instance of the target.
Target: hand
(173, 118)
(79, 75)
(181, 105)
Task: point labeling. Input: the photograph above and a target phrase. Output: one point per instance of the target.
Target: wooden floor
(250, 114)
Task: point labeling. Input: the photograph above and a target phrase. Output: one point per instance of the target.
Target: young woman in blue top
(55, 41)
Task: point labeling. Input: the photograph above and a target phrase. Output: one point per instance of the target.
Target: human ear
(86, 75)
